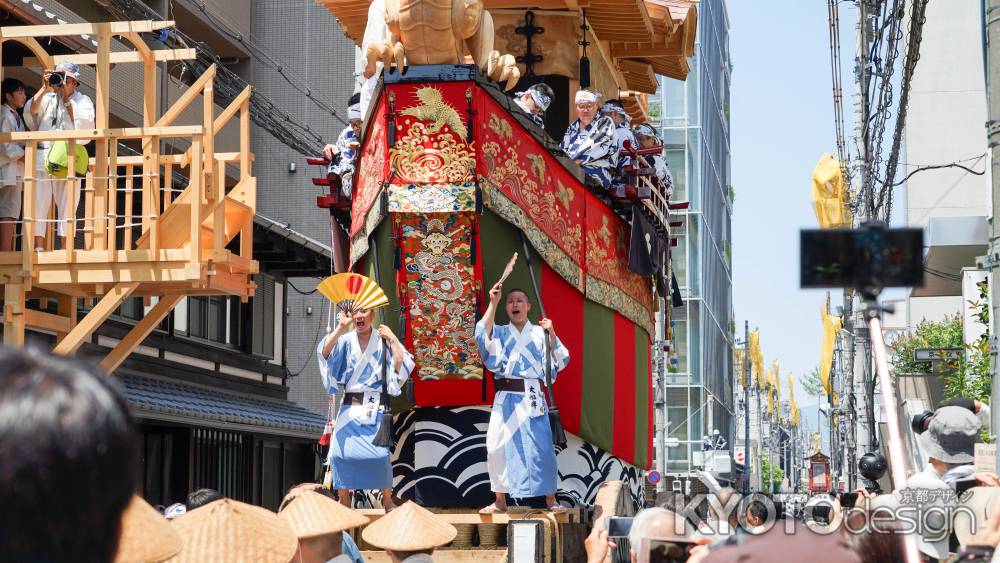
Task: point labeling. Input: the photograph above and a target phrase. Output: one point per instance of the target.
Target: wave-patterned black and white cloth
(440, 461)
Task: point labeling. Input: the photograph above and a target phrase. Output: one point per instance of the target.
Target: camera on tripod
(57, 78)
(869, 258)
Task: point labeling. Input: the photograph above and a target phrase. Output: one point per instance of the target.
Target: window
(216, 319)
(263, 305)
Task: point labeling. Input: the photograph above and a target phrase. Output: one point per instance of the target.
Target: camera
(872, 467)
(869, 258)
(920, 421)
(665, 550)
(57, 78)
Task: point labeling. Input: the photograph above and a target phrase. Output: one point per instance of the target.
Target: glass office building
(694, 119)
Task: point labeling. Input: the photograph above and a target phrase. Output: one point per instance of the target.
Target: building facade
(211, 385)
(694, 118)
(944, 124)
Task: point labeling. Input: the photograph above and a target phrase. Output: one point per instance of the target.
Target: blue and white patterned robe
(344, 160)
(622, 134)
(520, 456)
(355, 462)
(594, 147)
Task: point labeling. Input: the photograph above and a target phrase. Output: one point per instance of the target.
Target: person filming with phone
(58, 105)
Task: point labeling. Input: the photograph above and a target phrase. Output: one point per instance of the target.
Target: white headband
(612, 108)
(354, 112)
(587, 96)
(541, 99)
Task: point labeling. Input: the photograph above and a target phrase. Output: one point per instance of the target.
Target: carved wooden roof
(644, 36)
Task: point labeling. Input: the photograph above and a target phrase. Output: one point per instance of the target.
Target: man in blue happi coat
(343, 155)
(520, 456)
(616, 111)
(351, 360)
(590, 140)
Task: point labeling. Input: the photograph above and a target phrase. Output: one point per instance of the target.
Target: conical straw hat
(311, 514)
(146, 536)
(231, 531)
(409, 528)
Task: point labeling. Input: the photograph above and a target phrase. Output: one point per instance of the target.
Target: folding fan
(353, 292)
(509, 269)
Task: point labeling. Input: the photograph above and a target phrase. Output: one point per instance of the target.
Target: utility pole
(659, 399)
(760, 440)
(993, 260)
(859, 179)
(746, 406)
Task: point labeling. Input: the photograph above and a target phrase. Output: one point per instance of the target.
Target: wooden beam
(13, 315)
(66, 307)
(117, 57)
(103, 87)
(101, 133)
(95, 318)
(139, 332)
(187, 97)
(63, 30)
(47, 321)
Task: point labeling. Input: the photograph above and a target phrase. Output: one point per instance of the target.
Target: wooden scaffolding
(141, 236)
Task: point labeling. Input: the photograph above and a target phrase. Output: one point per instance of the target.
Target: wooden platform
(153, 225)
(469, 516)
(448, 556)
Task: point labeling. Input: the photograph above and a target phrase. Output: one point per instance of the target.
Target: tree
(773, 473)
(946, 333)
(969, 375)
(812, 384)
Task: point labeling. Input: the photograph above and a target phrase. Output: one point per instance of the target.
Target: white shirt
(419, 558)
(341, 559)
(52, 115)
(11, 154)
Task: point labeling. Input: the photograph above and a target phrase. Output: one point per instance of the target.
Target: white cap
(354, 112)
(587, 96)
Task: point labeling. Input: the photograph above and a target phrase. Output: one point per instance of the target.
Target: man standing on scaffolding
(519, 453)
(57, 106)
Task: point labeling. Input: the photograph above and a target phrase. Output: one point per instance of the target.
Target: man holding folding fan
(520, 457)
(369, 365)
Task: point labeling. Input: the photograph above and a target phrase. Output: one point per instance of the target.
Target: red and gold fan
(352, 292)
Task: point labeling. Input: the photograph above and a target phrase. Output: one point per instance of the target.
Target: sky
(781, 122)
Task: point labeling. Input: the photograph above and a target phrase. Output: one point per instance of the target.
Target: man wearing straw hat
(319, 523)
(353, 359)
(410, 534)
(519, 454)
(229, 531)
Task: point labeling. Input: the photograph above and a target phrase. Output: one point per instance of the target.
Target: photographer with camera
(58, 105)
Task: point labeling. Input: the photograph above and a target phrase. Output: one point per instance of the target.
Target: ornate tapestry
(622, 289)
(440, 461)
(547, 194)
(371, 172)
(432, 198)
(440, 293)
(432, 129)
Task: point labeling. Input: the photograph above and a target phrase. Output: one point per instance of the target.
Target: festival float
(453, 178)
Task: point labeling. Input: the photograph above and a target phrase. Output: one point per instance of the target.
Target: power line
(228, 85)
(936, 167)
(918, 16)
(833, 10)
(262, 55)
